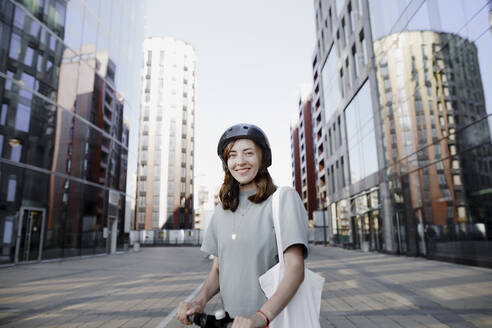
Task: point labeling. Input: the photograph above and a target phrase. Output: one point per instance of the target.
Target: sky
(252, 58)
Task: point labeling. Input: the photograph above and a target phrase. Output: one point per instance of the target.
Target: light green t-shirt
(246, 246)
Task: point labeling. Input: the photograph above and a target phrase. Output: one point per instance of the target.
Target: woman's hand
(253, 321)
(185, 309)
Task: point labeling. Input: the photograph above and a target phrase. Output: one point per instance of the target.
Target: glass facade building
(68, 100)
(415, 106)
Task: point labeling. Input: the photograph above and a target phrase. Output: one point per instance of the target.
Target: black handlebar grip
(198, 319)
(209, 321)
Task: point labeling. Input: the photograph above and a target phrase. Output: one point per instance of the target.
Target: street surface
(142, 289)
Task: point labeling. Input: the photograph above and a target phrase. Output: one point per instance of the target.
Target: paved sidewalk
(143, 289)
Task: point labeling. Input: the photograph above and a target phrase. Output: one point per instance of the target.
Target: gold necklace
(234, 235)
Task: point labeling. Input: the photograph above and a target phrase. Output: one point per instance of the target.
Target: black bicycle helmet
(247, 131)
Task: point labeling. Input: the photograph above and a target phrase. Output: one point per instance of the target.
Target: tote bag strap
(276, 225)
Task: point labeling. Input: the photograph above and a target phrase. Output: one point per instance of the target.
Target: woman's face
(244, 161)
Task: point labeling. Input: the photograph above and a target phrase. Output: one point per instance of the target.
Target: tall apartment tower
(295, 158)
(303, 173)
(167, 128)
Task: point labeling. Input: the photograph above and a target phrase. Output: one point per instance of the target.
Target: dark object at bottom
(220, 320)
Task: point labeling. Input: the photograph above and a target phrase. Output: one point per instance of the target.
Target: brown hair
(229, 192)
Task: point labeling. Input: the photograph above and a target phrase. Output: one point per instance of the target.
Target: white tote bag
(303, 309)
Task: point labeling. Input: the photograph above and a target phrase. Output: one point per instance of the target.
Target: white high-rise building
(167, 128)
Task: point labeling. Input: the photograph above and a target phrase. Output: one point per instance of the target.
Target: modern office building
(303, 173)
(403, 92)
(64, 126)
(167, 125)
(348, 190)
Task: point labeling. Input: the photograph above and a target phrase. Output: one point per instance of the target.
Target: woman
(241, 235)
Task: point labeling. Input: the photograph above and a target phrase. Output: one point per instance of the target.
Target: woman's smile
(243, 171)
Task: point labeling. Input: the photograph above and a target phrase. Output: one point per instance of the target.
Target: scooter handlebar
(220, 320)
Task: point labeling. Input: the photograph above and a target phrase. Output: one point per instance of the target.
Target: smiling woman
(241, 234)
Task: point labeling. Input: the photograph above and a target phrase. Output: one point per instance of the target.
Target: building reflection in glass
(437, 143)
(356, 222)
(91, 144)
(63, 137)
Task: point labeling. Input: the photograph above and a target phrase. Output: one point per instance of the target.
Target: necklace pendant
(233, 236)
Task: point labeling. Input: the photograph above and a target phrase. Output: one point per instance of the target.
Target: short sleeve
(210, 242)
(293, 220)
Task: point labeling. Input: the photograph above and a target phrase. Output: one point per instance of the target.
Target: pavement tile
(429, 321)
(152, 323)
(362, 321)
(115, 323)
(137, 322)
(484, 321)
(407, 321)
(383, 321)
(94, 321)
(341, 322)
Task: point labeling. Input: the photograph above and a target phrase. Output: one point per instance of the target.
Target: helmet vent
(245, 127)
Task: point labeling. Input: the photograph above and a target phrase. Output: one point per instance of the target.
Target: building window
(339, 132)
(343, 34)
(351, 17)
(349, 72)
(356, 62)
(143, 170)
(363, 47)
(361, 140)
(346, 32)
(342, 171)
(333, 188)
(329, 180)
(339, 6)
(23, 117)
(331, 90)
(16, 151)
(342, 82)
(15, 47)
(11, 189)
(141, 217)
(149, 58)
